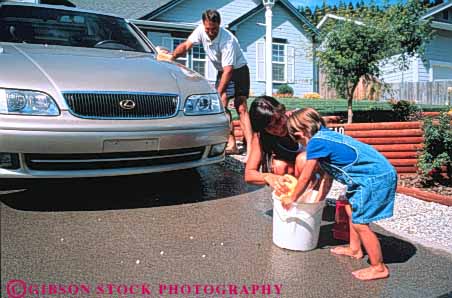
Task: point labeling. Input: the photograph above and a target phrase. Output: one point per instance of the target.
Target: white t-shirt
(224, 50)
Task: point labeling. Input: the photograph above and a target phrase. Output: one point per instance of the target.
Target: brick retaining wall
(399, 142)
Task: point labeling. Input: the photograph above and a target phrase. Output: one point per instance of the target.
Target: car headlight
(24, 102)
(203, 104)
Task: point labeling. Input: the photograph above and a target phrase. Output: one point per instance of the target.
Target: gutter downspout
(315, 67)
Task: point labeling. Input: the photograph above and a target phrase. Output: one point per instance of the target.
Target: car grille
(89, 161)
(113, 105)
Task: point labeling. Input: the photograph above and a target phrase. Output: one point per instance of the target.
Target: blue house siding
(440, 48)
(439, 53)
(390, 72)
(437, 64)
(190, 11)
(157, 37)
(287, 27)
(423, 69)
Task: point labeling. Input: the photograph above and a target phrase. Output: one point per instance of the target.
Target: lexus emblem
(127, 104)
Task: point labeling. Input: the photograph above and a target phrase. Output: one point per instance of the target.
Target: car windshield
(42, 25)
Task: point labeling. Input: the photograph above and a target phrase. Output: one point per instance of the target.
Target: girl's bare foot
(347, 251)
(372, 272)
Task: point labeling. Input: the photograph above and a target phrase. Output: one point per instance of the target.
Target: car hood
(55, 69)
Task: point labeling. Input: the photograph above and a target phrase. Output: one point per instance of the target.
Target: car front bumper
(66, 154)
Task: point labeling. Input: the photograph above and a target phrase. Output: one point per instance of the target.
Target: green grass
(331, 106)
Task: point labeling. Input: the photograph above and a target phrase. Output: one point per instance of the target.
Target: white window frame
(193, 59)
(189, 58)
(289, 61)
(437, 63)
(186, 59)
(260, 61)
(278, 62)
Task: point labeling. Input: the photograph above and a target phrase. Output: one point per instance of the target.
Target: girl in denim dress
(370, 179)
(273, 152)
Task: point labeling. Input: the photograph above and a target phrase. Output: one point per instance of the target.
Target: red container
(341, 226)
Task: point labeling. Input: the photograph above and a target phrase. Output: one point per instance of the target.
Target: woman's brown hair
(306, 120)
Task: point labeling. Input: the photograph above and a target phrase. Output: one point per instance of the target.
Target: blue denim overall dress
(371, 180)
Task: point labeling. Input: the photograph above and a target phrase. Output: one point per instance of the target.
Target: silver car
(82, 95)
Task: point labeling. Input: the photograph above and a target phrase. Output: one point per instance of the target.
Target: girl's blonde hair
(306, 120)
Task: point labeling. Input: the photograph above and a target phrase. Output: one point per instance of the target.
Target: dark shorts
(239, 85)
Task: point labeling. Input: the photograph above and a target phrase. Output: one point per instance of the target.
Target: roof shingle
(131, 9)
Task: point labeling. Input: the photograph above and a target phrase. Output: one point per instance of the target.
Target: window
(194, 59)
(199, 59)
(279, 62)
(283, 62)
(41, 25)
(446, 15)
(182, 60)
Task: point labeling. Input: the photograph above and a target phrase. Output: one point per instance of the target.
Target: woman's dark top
(282, 148)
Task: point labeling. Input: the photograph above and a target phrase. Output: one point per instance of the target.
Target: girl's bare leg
(354, 248)
(371, 243)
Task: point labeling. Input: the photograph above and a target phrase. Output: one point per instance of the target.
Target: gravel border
(426, 223)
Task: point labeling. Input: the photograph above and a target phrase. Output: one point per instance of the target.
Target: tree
(334, 9)
(355, 49)
(308, 14)
(361, 4)
(350, 10)
(317, 15)
(325, 8)
(341, 11)
(358, 9)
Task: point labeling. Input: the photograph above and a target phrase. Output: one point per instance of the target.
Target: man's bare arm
(182, 49)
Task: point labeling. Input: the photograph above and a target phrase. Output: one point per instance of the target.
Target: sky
(313, 3)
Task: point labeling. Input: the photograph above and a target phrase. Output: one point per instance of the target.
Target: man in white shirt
(233, 80)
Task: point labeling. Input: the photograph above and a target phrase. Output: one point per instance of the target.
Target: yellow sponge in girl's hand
(291, 183)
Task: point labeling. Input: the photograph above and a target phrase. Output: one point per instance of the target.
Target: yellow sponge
(291, 184)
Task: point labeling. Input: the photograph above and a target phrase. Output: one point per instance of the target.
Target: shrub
(405, 110)
(311, 95)
(285, 89)
(437, 150)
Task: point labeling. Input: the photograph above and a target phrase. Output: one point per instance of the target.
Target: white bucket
(297, 228)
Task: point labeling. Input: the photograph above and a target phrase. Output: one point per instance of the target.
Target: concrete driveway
(204, 234)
